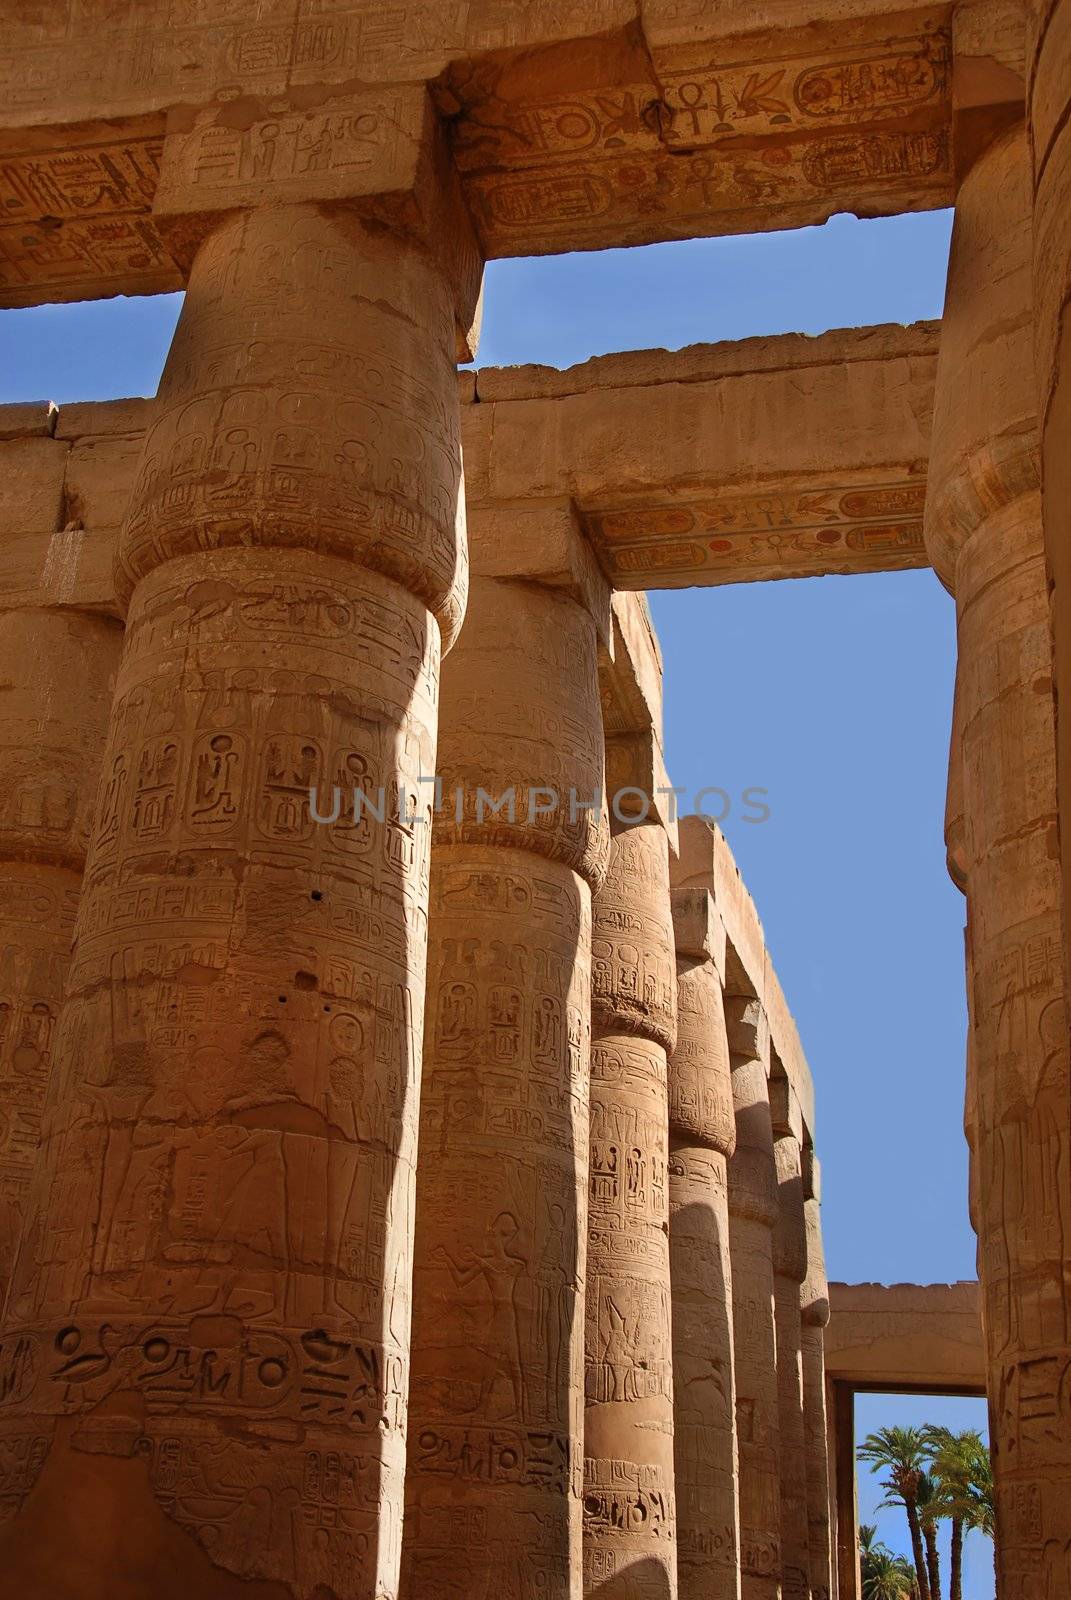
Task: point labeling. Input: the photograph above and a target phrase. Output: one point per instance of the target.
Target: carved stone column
(753, 1215)
(494, 1491)
(57, 669)
(790, 1269)
(984, 533)
(814, 1315)
(209, 1323)
(629, 1517)
(1049, 78)
(702, 1137)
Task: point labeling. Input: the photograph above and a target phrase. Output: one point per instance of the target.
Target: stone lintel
(595, 125)
(28, 419)
(707, 862)
(906, 1335)
(789, 456)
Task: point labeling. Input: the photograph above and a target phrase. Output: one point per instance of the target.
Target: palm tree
(885, 1576)
(963, 1474)
(927, 1499)
(902, 1453)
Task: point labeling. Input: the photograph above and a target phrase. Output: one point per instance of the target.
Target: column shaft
(629, 1515)
(814, 1304)
(790, 1267)
(493, 1498)
(984, 529)
(753, 1212)
(1049, 80)
(58, 674)
(702, 1134)
(212, 1300)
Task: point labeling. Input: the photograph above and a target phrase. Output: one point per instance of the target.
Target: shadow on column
(645, 1580)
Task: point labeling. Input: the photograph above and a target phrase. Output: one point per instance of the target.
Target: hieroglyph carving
(496, 1406)
(629, 1513)
(702, 1137)
(217, 1252)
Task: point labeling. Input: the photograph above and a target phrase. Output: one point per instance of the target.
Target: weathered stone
(630, 1528)
(753, 1215)
(57, 673)
(1049, 76)
(495, 1461)
(702, 1135)
(214, 1274)
(687, 469)
(984, 530)
(602, 123)
(790, 1269)
(905, 1335)
(814, 1316)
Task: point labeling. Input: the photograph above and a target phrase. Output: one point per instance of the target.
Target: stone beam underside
(906, 1336)
(571, 126)
(784, 457)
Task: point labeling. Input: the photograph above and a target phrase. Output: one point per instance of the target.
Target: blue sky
(834, 694)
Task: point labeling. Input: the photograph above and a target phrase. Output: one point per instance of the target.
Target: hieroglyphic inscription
(753, 1211)
(221, 1220)
(629, 1517)
(702, 1136)
(726, 537)
(355, 144)
(689, 149)
(73, 218)
(497, 1380)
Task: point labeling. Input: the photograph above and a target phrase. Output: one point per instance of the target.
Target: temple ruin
(419, 1199)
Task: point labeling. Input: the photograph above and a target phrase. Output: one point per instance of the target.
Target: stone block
(31, 485)
(697, 926)
(28, 419)
(100, 475)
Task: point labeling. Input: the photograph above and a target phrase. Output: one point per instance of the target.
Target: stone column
(702, 1137)
(753, 1215)
(814, 1313)
(984, 534)
(629, 1516)
(1049, 79)
(790, 1269)
(494, 1490)
(208, 1329)
(57, 669)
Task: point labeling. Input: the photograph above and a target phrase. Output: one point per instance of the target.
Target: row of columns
(248, 1335)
